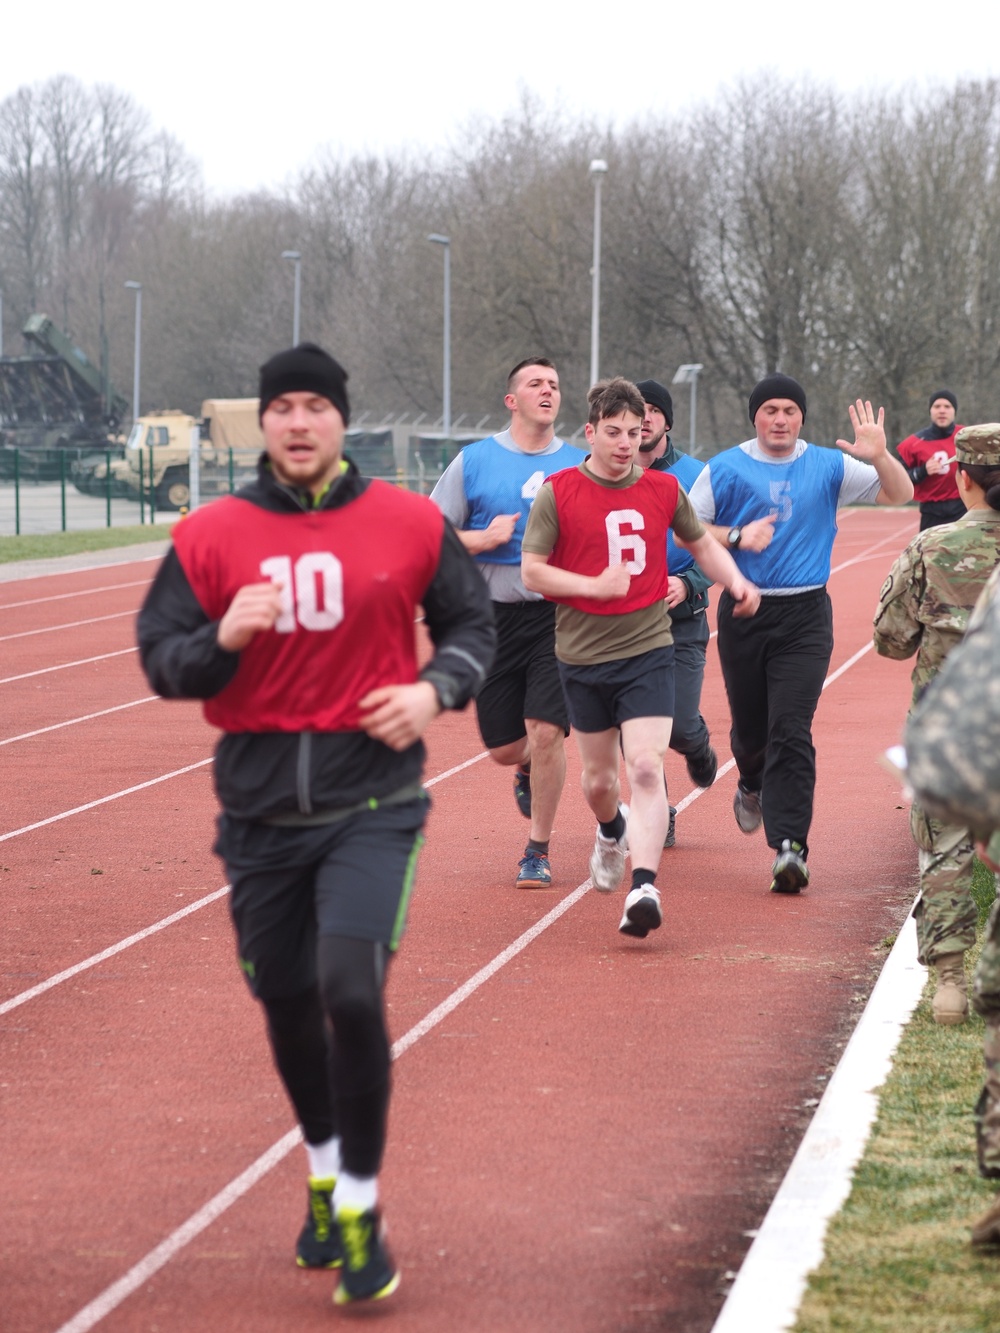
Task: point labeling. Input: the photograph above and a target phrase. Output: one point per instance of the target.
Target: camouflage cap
(979, 444)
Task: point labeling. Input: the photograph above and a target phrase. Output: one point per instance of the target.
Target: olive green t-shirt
(584, 638)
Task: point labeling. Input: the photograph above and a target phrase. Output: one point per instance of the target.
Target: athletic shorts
(606, 695)
(291, 885)
(524, 680)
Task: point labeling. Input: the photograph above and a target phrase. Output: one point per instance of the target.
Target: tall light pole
(598, 169)
(137, 356)
(1, 323)
(297, 306)
(445, 243)
(689, 375)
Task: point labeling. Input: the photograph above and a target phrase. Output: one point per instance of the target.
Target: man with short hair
(487, 492)
(289, 609)
(772, 501)
(596, 544)
(929, 459)
(687, 597)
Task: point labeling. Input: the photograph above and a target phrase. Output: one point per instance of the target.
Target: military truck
(54, 406)
(230, 442)
(157, 455)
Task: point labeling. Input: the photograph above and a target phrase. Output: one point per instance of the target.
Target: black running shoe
(671, 837)
(702, 767)
(369, 1272)
(319, 1245)
(522, 792)
(791, 874)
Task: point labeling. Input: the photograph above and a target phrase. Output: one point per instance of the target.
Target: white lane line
(88, 717)
(63, 666)
(82, 592)
(72, 624)
(103, 800)
(157, 1258)
(16, 1000)
(112, 949)
(789, 1244)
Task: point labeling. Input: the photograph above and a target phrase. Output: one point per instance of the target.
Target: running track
(585, 1130)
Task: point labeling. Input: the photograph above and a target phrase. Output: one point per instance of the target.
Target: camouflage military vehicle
(54, 407)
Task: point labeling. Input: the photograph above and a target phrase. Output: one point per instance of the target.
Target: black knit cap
(654, 393)
(304, 369)
(777, 386)
(943, 393)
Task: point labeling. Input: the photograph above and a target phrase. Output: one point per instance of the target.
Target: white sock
(324, 1159)
(359, 1192)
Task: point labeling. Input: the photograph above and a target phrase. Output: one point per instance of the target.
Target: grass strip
(898, 1256)
(40, 546)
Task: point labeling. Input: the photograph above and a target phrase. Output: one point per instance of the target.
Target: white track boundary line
(112, 949)
(109, 952)
(768, 1289)
(72, 624)
(88, 717)
(103, 800)
(157, 1258)
(82, 592)
(63, 666)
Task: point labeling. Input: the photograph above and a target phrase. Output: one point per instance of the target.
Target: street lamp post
(1, 323)
(445, 243)
(598, 170)
(137, 356)
(296, 308)
(688, 374)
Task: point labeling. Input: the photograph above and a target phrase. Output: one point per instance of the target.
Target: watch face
(734, 536)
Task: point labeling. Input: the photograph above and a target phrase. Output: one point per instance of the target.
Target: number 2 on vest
(312, 593)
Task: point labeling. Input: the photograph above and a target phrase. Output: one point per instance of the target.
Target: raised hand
(869, 433)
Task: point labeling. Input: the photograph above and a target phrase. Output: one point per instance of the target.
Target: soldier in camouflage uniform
(924, 609)
(953, 748)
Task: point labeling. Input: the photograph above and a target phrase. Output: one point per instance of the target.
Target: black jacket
(260, 775)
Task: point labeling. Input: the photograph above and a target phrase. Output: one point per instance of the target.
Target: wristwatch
(733, 537)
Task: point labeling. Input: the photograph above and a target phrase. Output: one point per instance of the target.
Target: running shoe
(369, 1272)
(607, 860)
(642, 911)
(671, 837)
(746, 808)
(702, 767)
(789, 870)
(319, 1245)
(522, 792)
(534, 871)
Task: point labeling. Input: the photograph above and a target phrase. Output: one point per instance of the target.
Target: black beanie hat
(943, 393)
(304, 369)
(653, 392)
(777, 386)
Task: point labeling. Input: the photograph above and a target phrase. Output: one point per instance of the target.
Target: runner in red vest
(596, 544)
(289, 609)
(929, 459)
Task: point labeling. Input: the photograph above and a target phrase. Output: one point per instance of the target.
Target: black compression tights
(339, 1085)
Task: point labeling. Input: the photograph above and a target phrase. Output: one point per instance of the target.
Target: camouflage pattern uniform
(986, 987)
(924, 608)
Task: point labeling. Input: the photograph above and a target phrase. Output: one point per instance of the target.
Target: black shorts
(291, 885)
(524, 681)
(606, 695)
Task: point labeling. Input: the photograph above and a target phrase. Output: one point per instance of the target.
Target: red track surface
(582, 1144)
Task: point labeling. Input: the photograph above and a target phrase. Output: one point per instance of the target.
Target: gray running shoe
(746, 808)
(671, 837)
(607, 860)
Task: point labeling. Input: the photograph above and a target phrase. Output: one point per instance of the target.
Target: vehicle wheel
(173, 492)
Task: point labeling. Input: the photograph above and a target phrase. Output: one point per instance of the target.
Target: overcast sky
(254, 91)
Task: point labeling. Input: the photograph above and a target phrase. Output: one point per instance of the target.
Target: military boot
(951, 999)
